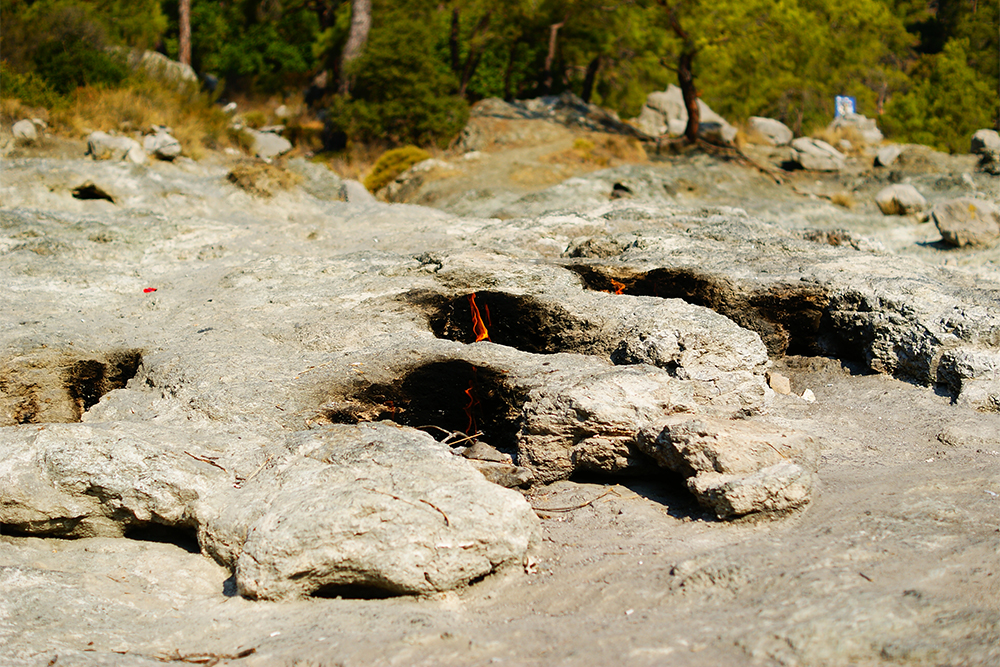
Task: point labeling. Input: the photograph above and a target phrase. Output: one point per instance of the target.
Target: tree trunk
(685, 76)
(590, 77)
(184, 50)
(361, 23)
(453, 41)
(685, 73)
(551, 56)
(508, 72)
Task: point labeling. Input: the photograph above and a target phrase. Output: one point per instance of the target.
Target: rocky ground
(224, 405)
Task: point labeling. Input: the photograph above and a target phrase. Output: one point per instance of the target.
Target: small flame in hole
(619, 287)
(473, 401)
(478, 327)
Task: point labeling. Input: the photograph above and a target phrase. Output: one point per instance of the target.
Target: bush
(401, 94)
(393, 163)
(72, 64)
(29, 88)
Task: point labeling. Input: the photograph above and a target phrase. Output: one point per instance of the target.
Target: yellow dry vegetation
(597, 151)
(194, 121)
(262, 179)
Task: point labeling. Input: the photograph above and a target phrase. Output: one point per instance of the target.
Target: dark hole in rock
(90, 191)
(790, 319)
(52, 387)
(441, 398)
(657, 485)
(517, 321)
(355, 592)
(185, 537)
(87, 380)
(620, 191)
(60, 527)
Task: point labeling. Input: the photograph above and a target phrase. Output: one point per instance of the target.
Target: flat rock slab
(373, 506)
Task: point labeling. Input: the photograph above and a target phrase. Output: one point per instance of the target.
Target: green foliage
(254, 46)
(946, 103)
(398, 94)
(31, 89)
(68, 64)
(391, 164)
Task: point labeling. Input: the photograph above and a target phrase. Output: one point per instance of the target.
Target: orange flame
(478, 327)
(619, 287)
(470, 392)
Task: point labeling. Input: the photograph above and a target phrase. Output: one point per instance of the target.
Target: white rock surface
(103, 146)
(816, 154)
(773, 131)
(900, 199)
(24, 132)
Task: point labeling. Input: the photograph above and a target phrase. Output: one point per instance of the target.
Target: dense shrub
(31, 89)
(399, 94)
(391, 164)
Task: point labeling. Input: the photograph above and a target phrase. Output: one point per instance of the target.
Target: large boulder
(103, 146)
(865, 128)
(268, 145)
(900, 199)
(772, 132)
(24, 132)
(986, 144)
(816, 154)
(665, 113)
(375, 506)
(887, 155)
(162, 144)
(968, 222)
(157, 66)
(737, 467)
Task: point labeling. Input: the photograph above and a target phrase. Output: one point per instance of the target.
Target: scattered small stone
(968, 221)
(887, 155)
(900, 199)
(779, 383)
(24, 132)
(817, 155)
(773, 132)
(808, 396)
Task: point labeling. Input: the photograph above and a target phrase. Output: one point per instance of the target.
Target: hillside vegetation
(928, 70)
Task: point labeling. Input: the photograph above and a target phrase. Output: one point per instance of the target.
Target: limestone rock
(816, 154)
(355, 192)
(900, 199)
(373, 505)
(778, 489)
(24, 132)
(866, 128)
(103, 146)
(986, 144)
(887, 155)
(162, 68)
(385, 509)
(669, 104)
(268, 145)
(968, 222)
(737, 467)
(317, 180)
(161, 144)
(773, 132)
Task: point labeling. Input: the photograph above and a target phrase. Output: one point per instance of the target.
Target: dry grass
(844, 199)
(834, 137)
(356, 162)
(197, 124)
(750, 136)
(596, 150)
(262, 179)
(12, 110)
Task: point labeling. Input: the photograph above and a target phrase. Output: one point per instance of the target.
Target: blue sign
(845, 106)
